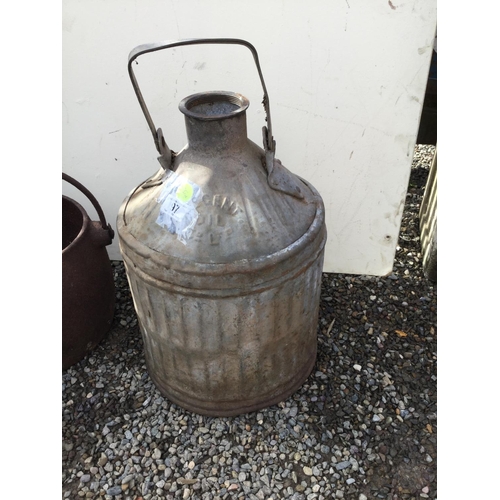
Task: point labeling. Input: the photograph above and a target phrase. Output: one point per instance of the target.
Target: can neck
(226, 134)
(215, 121)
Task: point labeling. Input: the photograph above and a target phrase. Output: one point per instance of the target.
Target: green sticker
(184, 192)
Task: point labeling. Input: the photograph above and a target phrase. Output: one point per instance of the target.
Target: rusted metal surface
(227, 294)
(88, 291)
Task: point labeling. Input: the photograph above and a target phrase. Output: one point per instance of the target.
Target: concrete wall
(346, 81)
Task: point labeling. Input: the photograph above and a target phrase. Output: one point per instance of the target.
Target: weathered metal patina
(223, 249)
(88, 290)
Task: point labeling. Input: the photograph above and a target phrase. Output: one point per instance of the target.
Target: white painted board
(346, 81)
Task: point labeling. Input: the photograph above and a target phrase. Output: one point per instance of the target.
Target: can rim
(239, 102)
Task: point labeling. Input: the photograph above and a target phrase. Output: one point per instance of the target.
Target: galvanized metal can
(223, 249)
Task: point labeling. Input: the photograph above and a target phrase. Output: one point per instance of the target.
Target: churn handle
(269, 143)
(91, 197)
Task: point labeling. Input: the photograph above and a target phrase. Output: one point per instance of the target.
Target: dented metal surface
(224, 252)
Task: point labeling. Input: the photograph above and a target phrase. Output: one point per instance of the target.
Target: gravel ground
(363, 426)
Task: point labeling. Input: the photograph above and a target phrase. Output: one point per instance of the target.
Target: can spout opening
(215, 105)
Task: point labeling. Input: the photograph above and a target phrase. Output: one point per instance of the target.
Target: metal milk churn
(223, 249)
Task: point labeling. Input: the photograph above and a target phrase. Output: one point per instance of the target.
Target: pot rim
(83, 229)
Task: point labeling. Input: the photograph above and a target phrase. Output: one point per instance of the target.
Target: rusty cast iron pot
(88, 294)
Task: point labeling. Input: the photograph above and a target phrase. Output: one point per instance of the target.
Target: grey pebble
(343, 465)
(128, 478)
(146, 485)
(114, 490)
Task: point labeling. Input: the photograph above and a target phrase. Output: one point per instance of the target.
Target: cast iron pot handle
(166, 154)
(91, 197)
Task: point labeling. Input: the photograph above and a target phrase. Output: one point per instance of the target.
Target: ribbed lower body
(225, 353)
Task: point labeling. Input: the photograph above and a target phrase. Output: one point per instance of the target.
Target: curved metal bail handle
(95, 203)
(269, 143)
